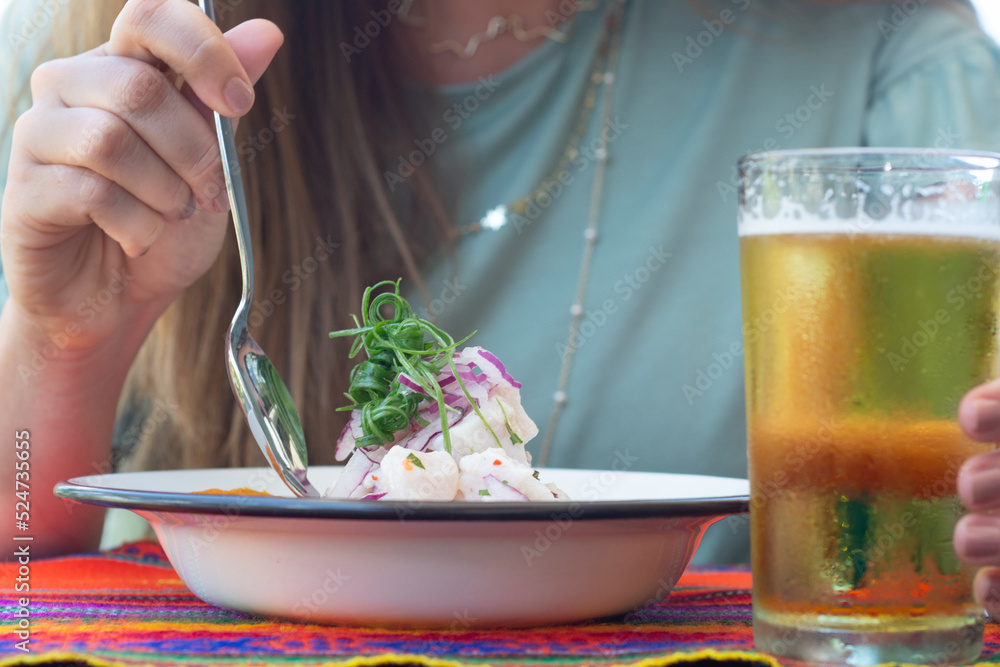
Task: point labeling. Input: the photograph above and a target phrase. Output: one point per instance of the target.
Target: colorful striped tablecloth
(127, 607)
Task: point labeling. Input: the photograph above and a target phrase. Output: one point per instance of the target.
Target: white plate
(620, 544)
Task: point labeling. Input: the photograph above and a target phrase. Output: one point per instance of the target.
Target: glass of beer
(871, 288)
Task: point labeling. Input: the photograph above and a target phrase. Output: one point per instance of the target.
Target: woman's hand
(977, 536)
(114, 204)
(115, 185)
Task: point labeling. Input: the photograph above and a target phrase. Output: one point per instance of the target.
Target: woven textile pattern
(127, 607)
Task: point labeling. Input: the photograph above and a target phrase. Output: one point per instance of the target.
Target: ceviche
(430, 420)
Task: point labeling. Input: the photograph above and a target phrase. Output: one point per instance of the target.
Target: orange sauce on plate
(242, 491)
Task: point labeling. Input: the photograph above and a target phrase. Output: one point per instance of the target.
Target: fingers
(144, 99)
(979, 482)
(977, 542)
(219, 69)
(112, 140)
(169, 126)
(979, 478)
(104, 143)
(987, 590)
(178, 34)
(255, 43)
(979, 412)
(74, 197)
(977, 536)
(977, 539)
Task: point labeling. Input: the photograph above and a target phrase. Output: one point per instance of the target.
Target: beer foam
(808, 224)
(941, 209)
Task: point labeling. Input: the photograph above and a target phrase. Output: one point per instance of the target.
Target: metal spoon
(263, 397)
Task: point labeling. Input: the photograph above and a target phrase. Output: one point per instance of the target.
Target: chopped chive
(506, 422)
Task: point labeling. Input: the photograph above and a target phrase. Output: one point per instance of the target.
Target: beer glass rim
(871, 159)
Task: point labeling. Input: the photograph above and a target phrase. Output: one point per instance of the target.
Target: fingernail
(189, 208)
(983, 486)
(986, 415)
(987, 592)
(981, 541)
(239, 95)
(222, 202)
(214, 198)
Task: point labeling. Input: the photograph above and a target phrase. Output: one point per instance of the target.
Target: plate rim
(306, 508)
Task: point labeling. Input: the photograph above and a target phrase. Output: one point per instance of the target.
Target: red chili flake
(497, 462)
(375, 478)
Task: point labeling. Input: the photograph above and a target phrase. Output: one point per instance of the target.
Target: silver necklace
(502, 215)
(613, 26)
(602, 75)
(496, 26)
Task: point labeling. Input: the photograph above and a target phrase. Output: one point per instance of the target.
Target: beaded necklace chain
(512, 24)
(609, 48)
(600, 73)
(602, 79)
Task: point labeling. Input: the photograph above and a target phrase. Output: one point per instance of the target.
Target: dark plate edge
(397, 510)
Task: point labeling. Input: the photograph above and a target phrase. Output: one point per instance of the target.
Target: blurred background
(989, 13)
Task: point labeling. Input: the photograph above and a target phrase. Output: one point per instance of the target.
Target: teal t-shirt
(657, 377)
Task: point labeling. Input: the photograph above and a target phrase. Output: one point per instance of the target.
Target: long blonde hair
(323, 226)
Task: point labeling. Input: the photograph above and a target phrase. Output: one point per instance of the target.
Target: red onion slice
(419, 440)
(432, 412)
(411, 384)
(373, 453)
(479, 394)
(488, 363)
(351, 477)
(345, 443)
(502, 492)
(348, 437)
(491, 358)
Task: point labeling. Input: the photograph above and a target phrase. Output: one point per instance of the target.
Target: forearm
(63, 406)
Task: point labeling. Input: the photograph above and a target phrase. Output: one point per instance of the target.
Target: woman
(604, 145)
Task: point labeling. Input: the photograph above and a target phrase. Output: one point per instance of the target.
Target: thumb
(255, 42)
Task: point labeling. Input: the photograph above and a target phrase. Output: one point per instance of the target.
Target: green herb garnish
(484, 492)
(514, 438)
(412, 458)
(397, 345)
